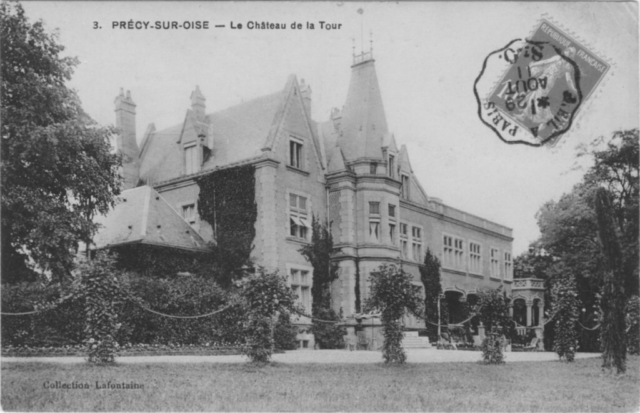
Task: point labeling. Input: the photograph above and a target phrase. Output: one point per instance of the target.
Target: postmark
(542, 82)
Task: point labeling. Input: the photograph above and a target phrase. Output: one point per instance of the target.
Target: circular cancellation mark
(537, 96)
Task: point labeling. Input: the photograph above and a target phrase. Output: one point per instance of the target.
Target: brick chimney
(305, 93)
(126, 144)
(197, 103)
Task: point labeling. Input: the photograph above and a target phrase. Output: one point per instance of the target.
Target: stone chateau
(348, 169)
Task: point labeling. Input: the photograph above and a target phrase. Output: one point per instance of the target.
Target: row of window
(453, 256)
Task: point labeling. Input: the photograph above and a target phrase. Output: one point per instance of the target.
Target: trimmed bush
(327, 335)
(492, 349)
(284, 333)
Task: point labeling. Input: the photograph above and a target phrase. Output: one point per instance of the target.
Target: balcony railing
(363, 57)
(527, 283)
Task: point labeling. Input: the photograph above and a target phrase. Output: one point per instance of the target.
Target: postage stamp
(543, 82)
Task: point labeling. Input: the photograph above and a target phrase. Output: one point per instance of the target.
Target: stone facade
(348, 171)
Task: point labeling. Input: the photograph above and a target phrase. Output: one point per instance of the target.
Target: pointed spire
(364, 122)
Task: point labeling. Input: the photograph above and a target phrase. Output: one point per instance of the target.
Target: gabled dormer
(194, 142)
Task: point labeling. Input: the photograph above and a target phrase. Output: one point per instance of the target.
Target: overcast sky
(428, 56)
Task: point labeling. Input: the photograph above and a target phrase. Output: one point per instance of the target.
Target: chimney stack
(126, 144)
(197, 103)
(305, 93)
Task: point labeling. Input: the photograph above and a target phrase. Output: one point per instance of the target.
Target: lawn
(537, 386)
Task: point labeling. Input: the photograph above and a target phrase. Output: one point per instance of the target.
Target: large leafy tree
(569, 226)
(57, 166)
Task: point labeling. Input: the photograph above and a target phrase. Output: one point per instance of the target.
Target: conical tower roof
(364, 123)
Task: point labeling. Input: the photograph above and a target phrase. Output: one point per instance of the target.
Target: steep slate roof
(364, 123)
(239, 133)
(336, 161)
(143, 216)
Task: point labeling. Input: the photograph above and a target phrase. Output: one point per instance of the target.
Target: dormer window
(373, 168)
(391, 166)
(189, 213)
(190, 160)
(295, 153)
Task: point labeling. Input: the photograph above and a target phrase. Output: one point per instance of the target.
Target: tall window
(405, 186)
(453, 252)
(508, 266)
(392, 211)
(301, 286)
(295, 154)
(190, 160)
(458, 249)
(392, 233)
(416, 238)
(374, 221)
(299, 225)
(373, 168)
(475, 258)
(189, 213)
(495, 263)
(374, 230)
(392, 166)
(404, 241)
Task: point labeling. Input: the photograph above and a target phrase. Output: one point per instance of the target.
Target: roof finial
(370, 40)
(353, 40)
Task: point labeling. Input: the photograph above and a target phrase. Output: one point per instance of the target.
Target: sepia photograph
(319, 206)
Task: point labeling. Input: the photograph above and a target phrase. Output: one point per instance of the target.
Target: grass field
(515, 387)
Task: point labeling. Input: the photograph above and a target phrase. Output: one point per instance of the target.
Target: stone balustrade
(528, 284)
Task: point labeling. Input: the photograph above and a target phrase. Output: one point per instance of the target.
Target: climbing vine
(100, 289)
(393, 295)
(318, 253)
(227, 202)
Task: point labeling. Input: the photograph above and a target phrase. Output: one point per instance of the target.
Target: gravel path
(430, 355)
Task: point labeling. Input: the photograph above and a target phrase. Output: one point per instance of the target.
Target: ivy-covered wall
(227, 201)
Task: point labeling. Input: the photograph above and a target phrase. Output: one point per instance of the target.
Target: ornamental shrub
(284, 334)
(265, 294)
(565, 306)
(492, 349)
(61, 324)
(327, 335)
(100, 288)
(178, 295)
(393, 295)
(493, 311)
(430, 277)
